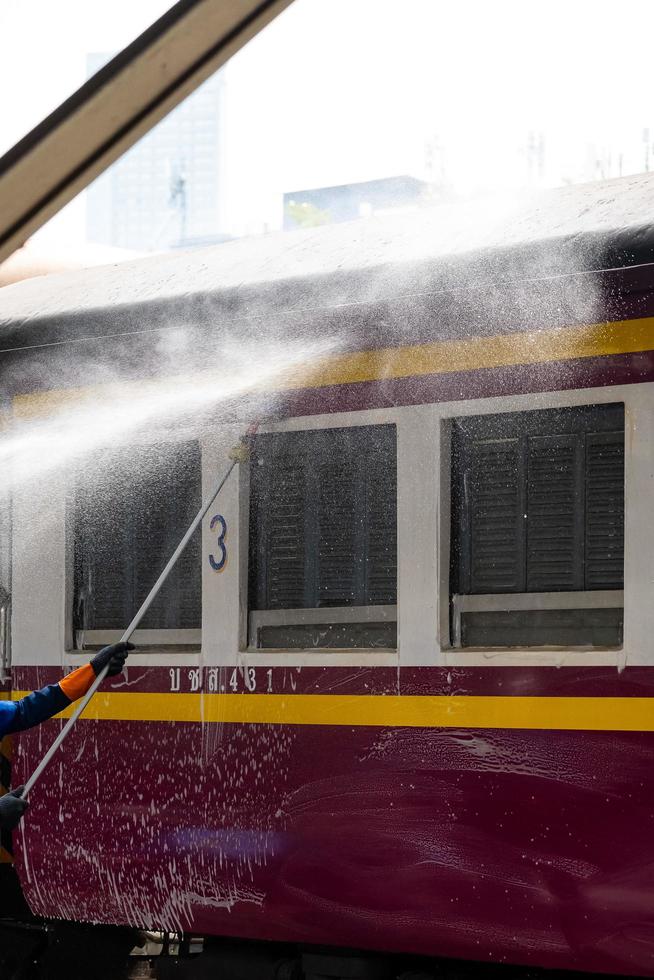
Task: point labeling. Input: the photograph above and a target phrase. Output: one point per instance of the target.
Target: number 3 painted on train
(219, 563)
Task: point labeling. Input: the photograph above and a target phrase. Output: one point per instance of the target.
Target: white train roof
(436, 235)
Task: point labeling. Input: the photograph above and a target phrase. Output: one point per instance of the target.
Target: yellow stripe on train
(386, 711)
(445, 356)
(505, 350)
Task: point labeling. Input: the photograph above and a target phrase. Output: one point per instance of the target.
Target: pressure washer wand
(239, 454)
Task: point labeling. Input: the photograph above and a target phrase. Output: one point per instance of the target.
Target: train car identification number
(218, 562)
(225, 679)
(249, 676)
(219, 679)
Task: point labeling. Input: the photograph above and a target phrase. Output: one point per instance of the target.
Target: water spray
(239, 454)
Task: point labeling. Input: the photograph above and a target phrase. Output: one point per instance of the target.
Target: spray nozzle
(241, 452)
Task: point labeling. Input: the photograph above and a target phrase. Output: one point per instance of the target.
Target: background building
(166, 191)
(345, 202)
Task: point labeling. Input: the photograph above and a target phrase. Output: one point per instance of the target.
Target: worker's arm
(16, 716)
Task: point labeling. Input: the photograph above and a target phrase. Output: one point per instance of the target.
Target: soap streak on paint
(177, 856)
(194, 866)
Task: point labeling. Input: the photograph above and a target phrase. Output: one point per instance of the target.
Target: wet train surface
(397, 697)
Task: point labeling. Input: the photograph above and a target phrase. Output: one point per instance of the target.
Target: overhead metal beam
(119, 105)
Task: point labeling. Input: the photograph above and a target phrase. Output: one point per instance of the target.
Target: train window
(323, 539)
(537, 543)
(130, 511)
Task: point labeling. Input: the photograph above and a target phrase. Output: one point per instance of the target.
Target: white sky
(43, 48)
(343, 90)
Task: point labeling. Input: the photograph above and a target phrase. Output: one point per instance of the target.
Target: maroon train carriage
(398, 696)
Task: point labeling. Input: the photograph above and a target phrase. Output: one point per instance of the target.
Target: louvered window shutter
(103, 548)
(286, 535)
(278, 524)
(323, 519)
(185, 503)
(538, 507)
(555, 501)
(168, 499)
(148, 514)
(340, 531)
(604, 524)
(127, 524)
(381, 526)
(493, 490)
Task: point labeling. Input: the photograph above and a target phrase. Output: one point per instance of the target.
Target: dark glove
(12, 807)
(115, 656)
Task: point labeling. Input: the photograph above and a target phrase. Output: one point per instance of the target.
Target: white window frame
(328, 615)
(184, 638)
(423, 462)
(175, 642)
(250, 621)
(528, 601)
(639, 436)
(531, 601)
(248, 655)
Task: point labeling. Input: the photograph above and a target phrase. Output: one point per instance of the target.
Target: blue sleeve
(16, 716)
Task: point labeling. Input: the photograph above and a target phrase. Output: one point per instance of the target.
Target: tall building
(166, 191)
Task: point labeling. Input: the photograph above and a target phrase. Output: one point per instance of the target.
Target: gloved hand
(114, 655)
(12, 807)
